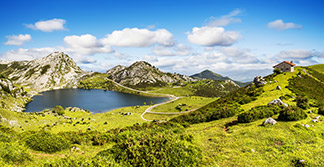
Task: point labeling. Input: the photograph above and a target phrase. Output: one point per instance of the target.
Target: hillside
(207, 74)
(142, 74)
(225, 131)
(54, 71)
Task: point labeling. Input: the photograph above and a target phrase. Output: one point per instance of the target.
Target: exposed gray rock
(305, 125)
(269, 121)
(259, 81)
(278, 88)
(278, 101)
(314, 120)
(54, 71)
(301, 161)
(142, 72)
(318, 117)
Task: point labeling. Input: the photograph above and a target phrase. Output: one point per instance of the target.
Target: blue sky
(237, 38)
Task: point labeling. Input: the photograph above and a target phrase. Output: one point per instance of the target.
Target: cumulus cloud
(86, 45)
(150, 58)
(280, 25)
(228, 62)
(120, 55)
(178, 50)
(18, 39)
(48, 25)
(300, 56)
(134, 37)
(212, 36)
(27, 54)
(239, 55)
(226, 19)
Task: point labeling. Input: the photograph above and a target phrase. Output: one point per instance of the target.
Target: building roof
(287, 62)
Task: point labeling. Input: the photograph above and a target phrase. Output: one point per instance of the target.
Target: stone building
(285, 66)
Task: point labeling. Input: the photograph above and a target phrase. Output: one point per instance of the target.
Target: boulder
(278, 101)
(269, 121)
(305, 125)
(259, 81)
(278, 88)
(315, 120)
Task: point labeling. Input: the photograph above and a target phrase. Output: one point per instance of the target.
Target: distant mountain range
(207, 74)
(58, 70)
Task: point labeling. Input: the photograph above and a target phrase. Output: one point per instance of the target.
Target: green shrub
(59, 110)
(292, 113)
(210, 112)
(153, 149)
(321, 110)
(277, 71)
(84, 162)
(45, 68)
(13, 153)
(258, 112)
(47, 142)
(302, 102)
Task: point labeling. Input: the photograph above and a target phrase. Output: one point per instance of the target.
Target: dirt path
(148, 110)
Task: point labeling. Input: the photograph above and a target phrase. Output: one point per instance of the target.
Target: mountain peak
(57, 70)
(142, 73)
(207, 74)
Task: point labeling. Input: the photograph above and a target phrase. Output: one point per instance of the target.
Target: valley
(205, 123)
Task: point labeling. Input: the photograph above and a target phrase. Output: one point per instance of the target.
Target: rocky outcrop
(269, 121)
(143, 73)
(259, 81)
(278, 101)
(7, 88)
(54, 71)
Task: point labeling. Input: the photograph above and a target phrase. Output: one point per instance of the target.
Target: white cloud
(150, 58)
(18, 39)
(85, 45)
(226, 19)
(219, 62)
(120, 55)
(178, 50)
(48, 25)
(212, 36)
(280, 25)
(134, 37)
(300, 56)
(27, 54)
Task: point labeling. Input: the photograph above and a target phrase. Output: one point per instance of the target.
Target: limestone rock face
(259, 81)
(54, 71)
(143, 73)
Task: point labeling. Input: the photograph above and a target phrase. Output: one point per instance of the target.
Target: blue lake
(97, 101)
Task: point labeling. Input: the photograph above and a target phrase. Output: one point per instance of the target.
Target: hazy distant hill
(207, 74)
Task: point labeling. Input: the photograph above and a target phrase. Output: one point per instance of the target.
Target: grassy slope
(254, 145)
(114, 119)
(279, 145)
(191, 102)
(318, 67)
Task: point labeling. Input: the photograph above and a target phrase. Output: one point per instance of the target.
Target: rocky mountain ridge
(55, 71)
(143, 74)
